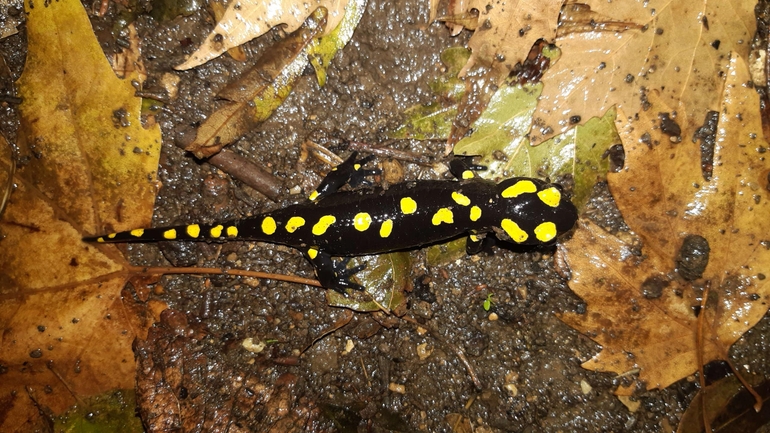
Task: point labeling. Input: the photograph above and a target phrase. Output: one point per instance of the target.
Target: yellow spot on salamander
(518, 188)
(268, 225)
(294, 223)
(474, 238)
(467, 174)
(137, 233)
(443, 215)
(475, 213)
(312, 253)
(313, 195)
(362, 221)
(169, 234)
(100, 239)
(514, 231)
(323, 224)
(193, 230)
(545, 231)
(386, 228)
(550, 196)
(357, 166)
(461, 199)
(232, 231)
(112, 235)
(216, 231)
(408, 205)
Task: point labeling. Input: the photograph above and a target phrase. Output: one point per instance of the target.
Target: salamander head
(534, 212)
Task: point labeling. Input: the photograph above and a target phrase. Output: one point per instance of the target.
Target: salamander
(408, 215)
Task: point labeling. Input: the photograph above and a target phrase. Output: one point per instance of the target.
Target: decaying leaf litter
(537, 363)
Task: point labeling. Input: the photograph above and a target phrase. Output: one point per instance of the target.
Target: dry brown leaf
(639, 310)
(128, 61)
(504, 34)
(67, 331)
(624, 49)
(505, 31)
(244, 20)
(254, 96)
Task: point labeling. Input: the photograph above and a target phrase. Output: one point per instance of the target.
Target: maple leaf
(640, 311)
(244, 20)
(67, 329)
(617, 52)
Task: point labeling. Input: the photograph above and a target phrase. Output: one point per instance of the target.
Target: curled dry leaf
(67, 328)
(613, 53)
(244, 20)
(639, 309)
(261, 90)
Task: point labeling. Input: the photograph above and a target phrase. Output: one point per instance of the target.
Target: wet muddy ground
(329, 369)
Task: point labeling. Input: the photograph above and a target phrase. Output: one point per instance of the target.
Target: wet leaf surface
(68, 326)
(254, 96)
(504, 32)
(613, 52)
(641, 309)
(113, 412)
(245, 20)
(728, 406)
(386, 278)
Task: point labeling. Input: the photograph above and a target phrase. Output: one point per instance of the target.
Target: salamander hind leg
(333, 274)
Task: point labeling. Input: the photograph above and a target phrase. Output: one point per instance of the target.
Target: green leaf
(502, 127)
(426, 122)
(434, 121)
(113, 412)
(385, 279)
(500, 138)
(446, 252)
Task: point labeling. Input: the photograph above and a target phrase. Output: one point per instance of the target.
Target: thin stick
(167, 270)
(699, 351)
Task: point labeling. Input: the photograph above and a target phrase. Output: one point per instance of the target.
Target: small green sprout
(488, 302)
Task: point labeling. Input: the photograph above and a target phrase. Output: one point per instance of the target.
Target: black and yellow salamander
(408, 215)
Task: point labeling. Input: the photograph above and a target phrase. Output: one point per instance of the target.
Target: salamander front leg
(350, 172)
(462, 167)
(333, 274)
(478, 242)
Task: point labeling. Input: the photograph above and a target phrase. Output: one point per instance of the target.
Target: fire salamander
(408, 215)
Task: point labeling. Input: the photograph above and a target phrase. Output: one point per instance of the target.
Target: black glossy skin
(411, 227)
(413, 230)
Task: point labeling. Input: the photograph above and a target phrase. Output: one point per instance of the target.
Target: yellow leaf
(67, 331)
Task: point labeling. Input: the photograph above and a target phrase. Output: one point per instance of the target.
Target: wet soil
(375, 373)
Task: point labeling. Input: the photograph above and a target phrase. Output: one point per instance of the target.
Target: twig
(390, 153)
(11, 174)
(699, 352)
(247, 172)
(167, 270)
(344, 320)
(460, 354)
